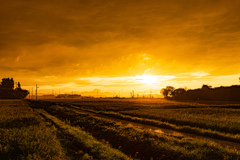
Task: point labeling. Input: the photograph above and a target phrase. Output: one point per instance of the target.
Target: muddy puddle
(168, 132)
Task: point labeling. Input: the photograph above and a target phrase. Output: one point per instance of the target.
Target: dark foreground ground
(118, 129)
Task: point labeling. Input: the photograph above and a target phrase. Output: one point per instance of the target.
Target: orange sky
(79, 45)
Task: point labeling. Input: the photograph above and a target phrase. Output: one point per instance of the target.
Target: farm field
(22, 130)
(31, 133)
(214, 120)
(208, 120)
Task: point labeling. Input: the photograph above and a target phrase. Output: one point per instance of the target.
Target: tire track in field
(169, 132)
(69, 144)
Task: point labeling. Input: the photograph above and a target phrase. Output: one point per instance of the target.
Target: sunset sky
(120, 45)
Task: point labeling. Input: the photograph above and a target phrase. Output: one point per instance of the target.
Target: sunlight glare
(148, 79)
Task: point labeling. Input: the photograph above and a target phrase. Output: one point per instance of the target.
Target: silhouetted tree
(19, 85)
(179, 91)
(207, 92)
(164, 92)
(169, 90)
(206, 87)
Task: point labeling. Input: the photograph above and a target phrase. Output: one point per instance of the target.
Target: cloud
(131, 81)
(199, 74)
(71, 39)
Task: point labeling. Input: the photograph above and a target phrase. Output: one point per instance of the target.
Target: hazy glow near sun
(131, 80)
(148, 79)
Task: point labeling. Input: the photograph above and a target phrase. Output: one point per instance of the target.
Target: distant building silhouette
(48, 96)
(68, 96)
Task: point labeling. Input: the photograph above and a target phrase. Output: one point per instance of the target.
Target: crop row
(213, 122)
(85, 142)
(219, 119)
(214, 118)
(182, 128)
(139, 143)
(25, 135)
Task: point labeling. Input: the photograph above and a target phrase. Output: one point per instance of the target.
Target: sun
(148, 79)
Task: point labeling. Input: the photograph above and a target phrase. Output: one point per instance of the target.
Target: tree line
(231, 93)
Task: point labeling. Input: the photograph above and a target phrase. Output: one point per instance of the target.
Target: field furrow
(135, 142)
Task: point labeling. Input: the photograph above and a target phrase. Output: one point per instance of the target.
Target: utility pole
(36, 91)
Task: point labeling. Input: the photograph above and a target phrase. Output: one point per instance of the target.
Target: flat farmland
(214, 126)
(25, 135)
(31, 133)
(216, 117)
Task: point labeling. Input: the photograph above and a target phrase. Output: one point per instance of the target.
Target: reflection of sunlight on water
(178, 135)
(129, 125)
(158, 131)
(173, 134)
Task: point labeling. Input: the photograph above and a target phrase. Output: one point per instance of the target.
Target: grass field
(31, 133)
(58, 130)
(204, 119)
(210, 119)
(25, 135)
(207, 118)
